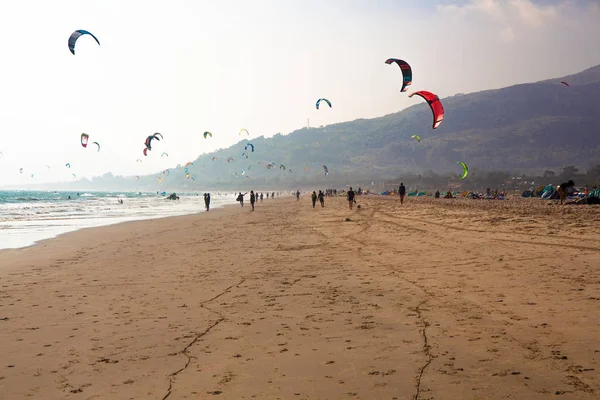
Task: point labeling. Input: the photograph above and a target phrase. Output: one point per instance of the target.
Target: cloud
(509, 17)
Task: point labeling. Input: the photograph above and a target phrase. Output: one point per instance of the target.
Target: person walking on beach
(273, 195)
(252, 199)
(261, 197)
(207, 201)
(402, 192)
(321, 197)
(350, 196)
(240, 198)
(297, 195)
(313, 197)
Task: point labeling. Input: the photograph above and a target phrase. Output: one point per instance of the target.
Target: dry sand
(447, 299)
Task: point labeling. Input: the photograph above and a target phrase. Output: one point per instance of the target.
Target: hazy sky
(182, 67)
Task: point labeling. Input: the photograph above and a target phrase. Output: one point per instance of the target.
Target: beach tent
(526, 193)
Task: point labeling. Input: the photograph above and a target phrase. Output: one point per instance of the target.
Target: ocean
(27, 217)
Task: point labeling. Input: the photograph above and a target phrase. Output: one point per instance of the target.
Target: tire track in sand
(184, 352)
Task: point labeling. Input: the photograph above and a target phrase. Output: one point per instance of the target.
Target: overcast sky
(183, 67)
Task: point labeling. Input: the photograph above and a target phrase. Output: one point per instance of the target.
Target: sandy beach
(446, 299)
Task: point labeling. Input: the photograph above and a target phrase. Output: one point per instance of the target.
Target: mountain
(526, 127)
(534, 128)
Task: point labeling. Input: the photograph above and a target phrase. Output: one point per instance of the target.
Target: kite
(32, 175)
(436, 106)
(159, 180)
(20, 170)
(97, 144)
(245, 130)
(146, 151)
(187, 176)
(84, 139)
(214, 158)
(282, 167)
(326, 169)
(229, 159)
(150, 138)
(47, 166)
(416, 137)
(465, 169)
(138, 177)
(325, 100)
(164, 154)
(207, 134)
(305, 168)
(406, 72)
(68, 165)
(74, 176)
(189, 163)
(138, 160)
(243, 172)
(564, 83)
(75, 35)
(249, 144)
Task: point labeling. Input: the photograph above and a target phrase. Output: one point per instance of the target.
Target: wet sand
(447, 299)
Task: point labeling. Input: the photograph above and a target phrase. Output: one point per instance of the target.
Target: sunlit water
(27, 217)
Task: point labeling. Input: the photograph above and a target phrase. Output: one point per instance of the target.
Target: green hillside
(528, 128)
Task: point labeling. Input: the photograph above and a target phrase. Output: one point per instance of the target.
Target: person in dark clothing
(207, 201)
(563, 190)
(240, 198)
(261, 197)
(298, 195)
(267, 196)
(273, 195)
(402, 192)
(350, 196)
(321, 197)
(437, 194)
(313, 197)
(252, 199)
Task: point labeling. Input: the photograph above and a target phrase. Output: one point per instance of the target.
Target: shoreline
(441, 300)
(22, 233)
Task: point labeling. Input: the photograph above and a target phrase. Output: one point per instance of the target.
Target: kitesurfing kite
(305, 168)
(207, 134)
(564, 83)
(406, 72)
(325, 100)
(47, 166)
(436, 106)
(75, 35)
(68, 165)
(159, 180)
(20, 170)
(187, 164)
(84, 139)
(74, 176)
(214, 158)
(326, 170)
(249, 144)
(97, 144)
(229, 159)
(150, 138)
(282, 167)
(146, 151)
(32, 175)
(138, 160)
(164, 154)
(245, 130)
(465, 169)
(416, 137)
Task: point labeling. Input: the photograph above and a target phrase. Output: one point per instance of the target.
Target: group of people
(254, 197)
(314, 196)
(207, 201)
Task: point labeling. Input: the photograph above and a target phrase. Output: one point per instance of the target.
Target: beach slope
(432, 300)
